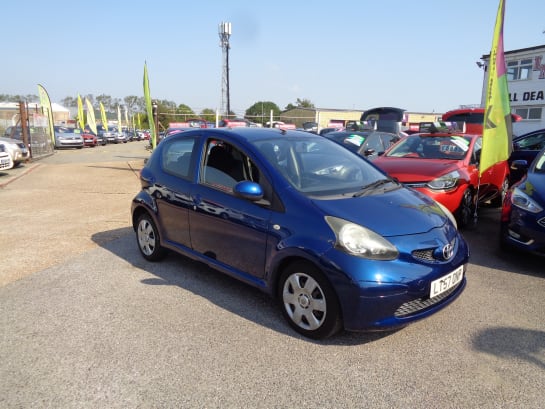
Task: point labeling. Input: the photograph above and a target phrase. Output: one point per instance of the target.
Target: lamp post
(224, 32)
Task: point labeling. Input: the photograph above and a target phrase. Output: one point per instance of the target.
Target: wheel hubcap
(304, 301)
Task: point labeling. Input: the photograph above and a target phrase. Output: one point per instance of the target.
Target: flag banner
(497, 126)
(119, 124)
(127, 117)
(91, 121)
(138, 120)
(81, 118)
(103, 117)
(149, 109)
(45, 102)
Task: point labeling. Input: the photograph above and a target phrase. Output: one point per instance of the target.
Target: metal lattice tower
(224, 32)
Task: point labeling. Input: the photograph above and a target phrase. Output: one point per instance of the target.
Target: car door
(226, 228)
(173, 190)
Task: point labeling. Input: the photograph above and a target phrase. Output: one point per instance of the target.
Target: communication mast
(224, 32)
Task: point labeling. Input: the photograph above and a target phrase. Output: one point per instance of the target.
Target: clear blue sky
(419, 55)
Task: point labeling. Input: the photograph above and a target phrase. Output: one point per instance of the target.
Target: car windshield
(352, 141)
(454, 147)
(64, 129)
(317, 166)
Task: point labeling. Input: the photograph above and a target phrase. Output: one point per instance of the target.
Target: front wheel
(147, 237)
(465, 213)
(308, 302)
(498, 200)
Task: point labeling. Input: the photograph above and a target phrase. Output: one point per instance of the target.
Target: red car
(473, 118)
(445, 166)
(89, 139)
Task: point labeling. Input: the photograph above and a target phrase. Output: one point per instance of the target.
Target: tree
(260, 112)
(301, 103)
(208, 114)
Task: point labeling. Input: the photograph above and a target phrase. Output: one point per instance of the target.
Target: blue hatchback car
(336, 241)
(523, 211)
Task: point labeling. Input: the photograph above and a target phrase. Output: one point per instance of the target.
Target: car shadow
(508, 342)
(484, 244)
(226, 292)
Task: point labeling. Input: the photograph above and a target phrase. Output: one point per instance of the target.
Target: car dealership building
(526, 82)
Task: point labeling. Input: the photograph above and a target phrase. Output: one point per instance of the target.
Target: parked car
(89, 139)
(66, 137)
(472, 117)
(336, 241)
(369, 144)
(523, 211)
(18, 151)
(5, 159)
(525, 147)
(325, 131)
(37, 137)
(445, 166)
(109, 134)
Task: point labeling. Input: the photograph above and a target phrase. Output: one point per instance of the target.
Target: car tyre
(308, 301)
(466, 212)
(147, 236)
(498, 200)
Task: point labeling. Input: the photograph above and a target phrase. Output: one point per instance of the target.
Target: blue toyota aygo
(337, 242)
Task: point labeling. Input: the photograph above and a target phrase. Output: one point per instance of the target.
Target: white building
(526, 82)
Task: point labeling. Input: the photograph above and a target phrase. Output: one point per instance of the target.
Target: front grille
(425, 254)
(421, 304)
(541, 222)
(434, 254)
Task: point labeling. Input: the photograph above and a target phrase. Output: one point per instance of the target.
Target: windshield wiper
(371, 186)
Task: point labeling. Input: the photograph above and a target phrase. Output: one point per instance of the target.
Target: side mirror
(519, 164)
(248, 190)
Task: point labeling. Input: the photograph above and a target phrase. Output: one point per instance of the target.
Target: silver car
(18, 151)
(66, 137)
(5, 158)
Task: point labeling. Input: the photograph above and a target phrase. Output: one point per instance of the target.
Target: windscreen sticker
(355, 139)
(462, 143)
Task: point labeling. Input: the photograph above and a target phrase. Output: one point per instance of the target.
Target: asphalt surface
(88, 323)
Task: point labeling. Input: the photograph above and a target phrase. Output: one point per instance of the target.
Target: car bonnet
(415, 170)
(395, 213)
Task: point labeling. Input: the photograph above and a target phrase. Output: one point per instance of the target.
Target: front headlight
(525, 202)
(359, 241)
(445, 182)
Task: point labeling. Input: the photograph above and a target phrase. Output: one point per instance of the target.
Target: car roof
(249, 134)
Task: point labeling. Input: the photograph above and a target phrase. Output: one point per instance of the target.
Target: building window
(529, 113)
(519, 70)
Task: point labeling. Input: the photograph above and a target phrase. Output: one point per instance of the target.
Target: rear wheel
(147, 237)
(308, 302)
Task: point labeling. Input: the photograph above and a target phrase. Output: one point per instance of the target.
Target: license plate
(446, 282)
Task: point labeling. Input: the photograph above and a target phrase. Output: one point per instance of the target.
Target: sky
(419, 55)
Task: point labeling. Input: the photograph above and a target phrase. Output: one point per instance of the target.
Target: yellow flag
(119, 120)
(497, 126)
(91, 116)
(149, 109)
(103, 117)
(81, 119)
(45, 102)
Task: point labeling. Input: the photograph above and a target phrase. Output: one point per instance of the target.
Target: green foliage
(208, 114)
(301, 103)
(260, 112)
